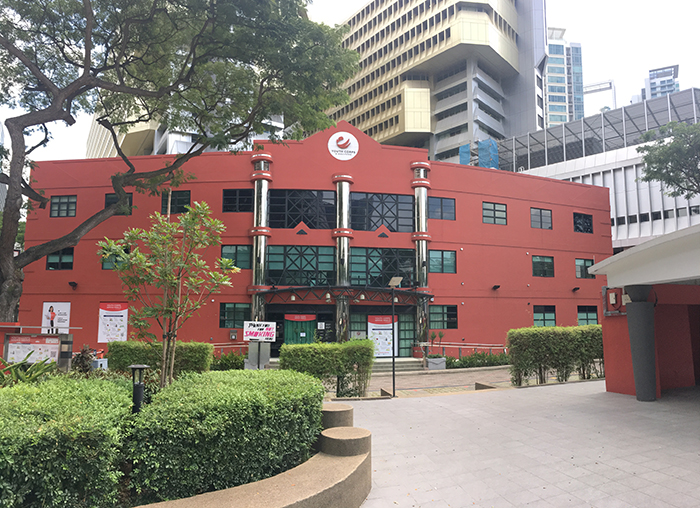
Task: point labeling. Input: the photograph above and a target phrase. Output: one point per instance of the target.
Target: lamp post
(395, 281)
(137, 381)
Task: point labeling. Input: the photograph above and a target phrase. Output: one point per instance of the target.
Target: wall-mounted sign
(41, 347)
(260, 331)
(114, 319)
(55, 317)
(343, 146)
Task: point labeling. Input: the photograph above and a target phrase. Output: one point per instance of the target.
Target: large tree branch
(27, 191)
(49, 85)
(41, 143)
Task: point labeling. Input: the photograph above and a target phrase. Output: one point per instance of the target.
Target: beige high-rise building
(443, 74)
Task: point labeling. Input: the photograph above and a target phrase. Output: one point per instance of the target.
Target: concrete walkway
(568, 445)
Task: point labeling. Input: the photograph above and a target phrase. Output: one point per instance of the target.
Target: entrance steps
(381, 365)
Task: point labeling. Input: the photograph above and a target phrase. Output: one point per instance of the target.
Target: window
(180, 199)
(232, 315)
(557, 98)
(587, 315)
(632, 219)
(63, 206)
(557, 109)
(621, 221)
(442, 261)
(582, 269)
(583, 223)
(111, 262)
(238, 200)
(556, 89)
(542, 266)
(442, 317)
(239, 254)
(441, 208)
(540, 218)
(369, 211)
(494, 213)
(643, 217)
(556, 49)
(655, 215)
(60, 260)
(555, 61)
(681, 212)
(668, 214)
(110, 199)
(544, 315)
(289, 208)
(296, 265)
(695, 210)
(376, 267)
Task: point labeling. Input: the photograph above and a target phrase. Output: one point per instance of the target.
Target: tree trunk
(171, 369)
(10, 292)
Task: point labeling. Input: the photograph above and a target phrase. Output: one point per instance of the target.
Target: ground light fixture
(137, 381)
(393, 283)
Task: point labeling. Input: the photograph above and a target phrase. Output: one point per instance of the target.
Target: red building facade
(319, 228)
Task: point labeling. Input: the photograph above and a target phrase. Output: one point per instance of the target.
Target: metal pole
(393, 345)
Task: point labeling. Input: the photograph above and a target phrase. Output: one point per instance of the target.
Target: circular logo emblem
(343, 146)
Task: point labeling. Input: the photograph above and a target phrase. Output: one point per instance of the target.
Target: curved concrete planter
(339, 476)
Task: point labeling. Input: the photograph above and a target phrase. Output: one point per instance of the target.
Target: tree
(215, 68)
(673, 158)
(162, 270)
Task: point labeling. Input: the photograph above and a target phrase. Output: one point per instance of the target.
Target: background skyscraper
(564, 79)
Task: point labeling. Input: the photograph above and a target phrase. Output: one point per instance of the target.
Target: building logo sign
(343, 146)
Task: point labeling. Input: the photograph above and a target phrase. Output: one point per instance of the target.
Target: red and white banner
(300, 317)
(114, 321)
(19, 346)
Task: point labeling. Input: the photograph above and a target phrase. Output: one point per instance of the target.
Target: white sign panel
(114, 319)
(19, 346)
(343, 146)
(260, 331)
(379, 330)
(55, 317)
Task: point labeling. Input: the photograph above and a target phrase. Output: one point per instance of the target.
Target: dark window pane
(238, 200)
(178, 203)
(232, 315)
(239, 254)
(288, 208)
(63, 206)
(110, 199)
(583, 223)
(60, 260)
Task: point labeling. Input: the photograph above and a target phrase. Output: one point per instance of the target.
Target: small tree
(163, 270)
(675, 162)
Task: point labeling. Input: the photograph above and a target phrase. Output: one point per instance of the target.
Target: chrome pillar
(342, 234)
(260, 231)
(421, 237)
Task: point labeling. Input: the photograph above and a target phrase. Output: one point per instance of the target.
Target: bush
(61, 442)
(189, 356)
(232, 360)
(221, 429)
(537, 350)
(481, 359)
(345, 367)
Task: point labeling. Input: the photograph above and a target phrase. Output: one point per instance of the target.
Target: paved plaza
(568, 445)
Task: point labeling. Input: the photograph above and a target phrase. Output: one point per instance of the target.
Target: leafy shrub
(82, 361)
(481, 359)
(221, 429)
(61, 442)
(232, 360)
(537, 350)
(189, 356)
(24, 372)
(345, 367)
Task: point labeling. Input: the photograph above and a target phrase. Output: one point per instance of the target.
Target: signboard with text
(114, 318)
(41, 347)
(379, 331)
(260, 331)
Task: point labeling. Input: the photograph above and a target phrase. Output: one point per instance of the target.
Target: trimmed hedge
(233, 360)
(564, 350)
(189, 356)
(480, 359)
(221, 429)
(60, 442)
(345, 367)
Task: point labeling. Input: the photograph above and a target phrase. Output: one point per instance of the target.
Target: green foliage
(24, 372)
(163, 270)
(189, 356)
(673, 158)
(537, 350)
(345, 367)
(61, 443)
(233, 360)
(82, 362)
(221, 429)
(480, 359)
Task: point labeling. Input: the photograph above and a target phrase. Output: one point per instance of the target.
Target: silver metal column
(640, 324)
(260, 231)
(421, 237)
(342, 234)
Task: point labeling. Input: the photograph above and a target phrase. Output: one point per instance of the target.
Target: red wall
(487, 254)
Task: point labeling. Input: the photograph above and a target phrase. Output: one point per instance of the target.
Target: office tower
(444, 75)
(661, 82)
(564, 79)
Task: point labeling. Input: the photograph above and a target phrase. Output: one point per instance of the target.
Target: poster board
(113, 322)
(18, 346)
(379, 331)
(260, 331)
(55, 317)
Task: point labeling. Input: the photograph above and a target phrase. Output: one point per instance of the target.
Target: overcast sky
(621, 40)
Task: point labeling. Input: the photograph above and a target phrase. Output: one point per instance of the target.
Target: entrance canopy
(669, 259)
(354, 294)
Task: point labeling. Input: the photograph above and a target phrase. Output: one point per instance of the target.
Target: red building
(321, 226)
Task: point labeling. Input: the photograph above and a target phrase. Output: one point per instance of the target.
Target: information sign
(259, 331)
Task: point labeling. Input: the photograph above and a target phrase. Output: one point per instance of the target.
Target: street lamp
(393, 283)
(137, 381)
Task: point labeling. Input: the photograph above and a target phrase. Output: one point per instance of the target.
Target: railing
(466, 349)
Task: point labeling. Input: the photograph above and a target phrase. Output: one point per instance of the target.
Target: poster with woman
(55, 317)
